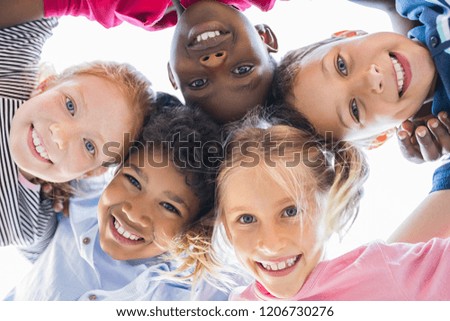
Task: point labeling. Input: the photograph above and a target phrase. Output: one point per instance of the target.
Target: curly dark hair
(193, 142)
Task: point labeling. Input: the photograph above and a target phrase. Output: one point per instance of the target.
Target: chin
(285, 293)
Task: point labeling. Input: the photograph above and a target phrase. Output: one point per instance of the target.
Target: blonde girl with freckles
(280, 200)
(67, 127)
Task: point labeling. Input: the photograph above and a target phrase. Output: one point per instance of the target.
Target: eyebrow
(323, 66)
(138, 171)
(174, 197)
(238, 209)
(341, 119)
(286, 200)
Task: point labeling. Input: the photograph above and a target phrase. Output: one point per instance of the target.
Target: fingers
(409, 147)
(408, 126)
(426, 142)
(444, 132)
(429, 147)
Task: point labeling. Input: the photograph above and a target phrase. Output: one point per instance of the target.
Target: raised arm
(13, 12)
(432, 217)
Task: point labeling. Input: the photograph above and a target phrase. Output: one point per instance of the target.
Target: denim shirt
(74, 267)
(434, 33)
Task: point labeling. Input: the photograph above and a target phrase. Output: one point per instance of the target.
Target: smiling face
(359, 87)
(59, 134)
(277, 244)
(219, 61)
(143, 208)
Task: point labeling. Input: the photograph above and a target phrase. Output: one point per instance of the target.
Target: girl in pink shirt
(282, 192)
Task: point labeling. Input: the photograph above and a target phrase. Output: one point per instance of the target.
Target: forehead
(159, 170)
(364, 42)
(290, 176)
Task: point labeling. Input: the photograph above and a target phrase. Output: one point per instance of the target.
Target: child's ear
(43, 85)
(171, 77)
(268, 36)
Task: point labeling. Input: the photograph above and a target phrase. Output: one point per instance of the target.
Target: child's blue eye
(133, 181)
(290, 211)
(89, 146)
(242, 70)
(198, 83)
(70, 106)
(170, 208)
(354, 110)
(247, 219)
(341, 66)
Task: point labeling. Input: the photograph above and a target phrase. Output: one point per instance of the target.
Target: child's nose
(136, 213)
(375, 79)
(214, 59)
(270, 240)
(59, 135)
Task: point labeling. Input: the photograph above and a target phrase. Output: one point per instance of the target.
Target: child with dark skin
(219, 60)
(221, 64)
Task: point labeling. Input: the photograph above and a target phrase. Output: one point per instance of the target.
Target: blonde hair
(337, 170)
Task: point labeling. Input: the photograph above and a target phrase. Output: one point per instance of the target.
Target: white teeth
(400, 72)
(37, 145)
(124, 232)
(207, 35)
(280, 265)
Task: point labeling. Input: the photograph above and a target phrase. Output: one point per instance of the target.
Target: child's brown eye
(133, 181)
(198, 83)
(242, 70)
(170, 208)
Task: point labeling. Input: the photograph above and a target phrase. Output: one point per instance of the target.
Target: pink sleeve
(420, 270)
(102, 11)
(150, 15)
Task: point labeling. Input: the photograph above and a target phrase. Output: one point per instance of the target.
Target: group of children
(248, 163)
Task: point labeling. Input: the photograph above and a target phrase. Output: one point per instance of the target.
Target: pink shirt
(375, 272)
(148, 14)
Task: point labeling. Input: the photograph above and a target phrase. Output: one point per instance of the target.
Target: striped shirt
(25, 219)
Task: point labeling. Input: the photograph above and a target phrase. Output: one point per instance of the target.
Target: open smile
(122, 234)
(207, 35)
(37, 147)
(280, 267)
(402, 72)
